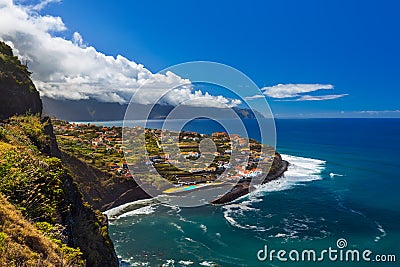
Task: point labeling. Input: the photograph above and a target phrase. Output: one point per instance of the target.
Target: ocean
(342, 184)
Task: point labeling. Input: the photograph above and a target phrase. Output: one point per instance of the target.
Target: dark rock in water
(243, 188)
(18, 93)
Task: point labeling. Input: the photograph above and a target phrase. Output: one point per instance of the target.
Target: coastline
(239, 190)
(243, 188)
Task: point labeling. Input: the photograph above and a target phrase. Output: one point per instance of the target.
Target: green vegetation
(22, 244)
(18, 93)
(103, 147)
(33, 182)
(10, 64)
(36, 188)
(83, 142)
(55, 234)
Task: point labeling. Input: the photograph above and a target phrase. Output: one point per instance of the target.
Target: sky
(309, 58)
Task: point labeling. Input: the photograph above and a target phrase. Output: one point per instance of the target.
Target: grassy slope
(32, 182)
(21, 244)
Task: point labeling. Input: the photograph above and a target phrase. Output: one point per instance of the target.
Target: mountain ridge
(92, 110)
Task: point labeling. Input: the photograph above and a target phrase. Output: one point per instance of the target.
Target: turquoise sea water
(343, 182)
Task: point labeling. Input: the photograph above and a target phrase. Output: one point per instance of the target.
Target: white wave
(189, 239)
(280, 235)
(207, 263)
(169, 263)
(334, 174)
(186, 263)
(139, 264)
(178, 227)
(381, 230)
(175, 209)
(304, 167)
(238, 210)
(203, 227)
(140, 211)
(300, 170)
(128, 207)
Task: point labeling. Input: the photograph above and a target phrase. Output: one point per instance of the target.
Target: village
(104, 148)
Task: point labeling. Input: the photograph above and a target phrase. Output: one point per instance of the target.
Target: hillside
(43, 190)
(44, 220)
(94, 154)
(18, 93)
(22, 244)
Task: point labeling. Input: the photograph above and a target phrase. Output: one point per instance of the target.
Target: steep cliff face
(57, 227)
(34, 180)
(18, 93)
(101, 190)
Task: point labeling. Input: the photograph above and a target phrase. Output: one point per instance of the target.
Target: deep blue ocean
(343, 182)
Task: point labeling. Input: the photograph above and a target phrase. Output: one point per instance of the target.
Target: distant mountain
(92, 110)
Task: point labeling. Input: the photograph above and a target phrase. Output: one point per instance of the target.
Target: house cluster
(91, 139)
(122, 169)
(96, 137)
(104, 141)
(221, 157)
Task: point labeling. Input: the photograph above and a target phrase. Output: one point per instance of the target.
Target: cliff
(44, 220)
(36, 182)
(18, 93)
(102, 190)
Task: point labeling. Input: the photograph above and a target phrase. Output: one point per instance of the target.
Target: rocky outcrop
(88, 229)
(277, 170)
(18, 93)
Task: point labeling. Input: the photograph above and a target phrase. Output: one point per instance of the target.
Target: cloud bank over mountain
(72, 70)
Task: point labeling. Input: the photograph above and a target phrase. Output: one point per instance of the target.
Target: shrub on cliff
(42, 189)
(18, 93)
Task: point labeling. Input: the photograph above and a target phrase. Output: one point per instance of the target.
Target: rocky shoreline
(243, 188)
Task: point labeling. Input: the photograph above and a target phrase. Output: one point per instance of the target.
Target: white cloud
(377, 112)
(315, 98)
(70, 69)
(43, 4)
(254, 97)
(77, 39)
(293, 90)
(200, 99)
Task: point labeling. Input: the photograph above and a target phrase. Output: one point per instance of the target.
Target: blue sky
(352, 45)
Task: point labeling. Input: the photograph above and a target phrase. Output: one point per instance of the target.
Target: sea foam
(301, 170)
(143, 206)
